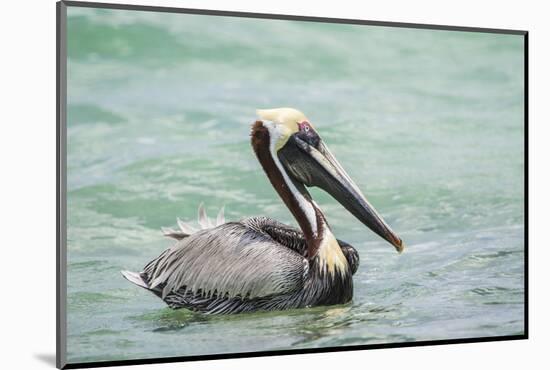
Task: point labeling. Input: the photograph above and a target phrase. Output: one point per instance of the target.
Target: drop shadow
(47, 358)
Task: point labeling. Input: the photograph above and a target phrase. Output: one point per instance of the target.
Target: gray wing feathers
(135, 278)
(228, 260)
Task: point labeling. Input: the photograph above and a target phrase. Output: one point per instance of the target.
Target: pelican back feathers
(229, 260)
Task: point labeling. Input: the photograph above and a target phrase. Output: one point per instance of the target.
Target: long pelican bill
(312, 164)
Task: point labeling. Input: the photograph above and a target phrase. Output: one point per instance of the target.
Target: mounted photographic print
(239, 184)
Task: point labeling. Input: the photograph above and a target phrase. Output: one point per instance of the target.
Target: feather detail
(174, 234)
(204, 221)
(186, 228)
(220, 220)
(167, 231)
(135, 278)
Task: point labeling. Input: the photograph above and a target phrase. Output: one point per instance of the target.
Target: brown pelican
(259, 263)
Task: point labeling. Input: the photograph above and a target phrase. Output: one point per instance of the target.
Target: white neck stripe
(305, 205)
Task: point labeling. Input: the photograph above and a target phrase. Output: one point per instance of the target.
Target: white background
(27, 203)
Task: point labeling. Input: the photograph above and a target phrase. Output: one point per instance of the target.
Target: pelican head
(297, 147)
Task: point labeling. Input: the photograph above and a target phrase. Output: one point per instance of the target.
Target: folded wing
(229, 260)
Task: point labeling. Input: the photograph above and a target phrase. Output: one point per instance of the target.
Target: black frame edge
(61, 250)
(526, 182)
(61, 260)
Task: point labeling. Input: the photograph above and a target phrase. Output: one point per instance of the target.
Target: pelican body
(259, 263)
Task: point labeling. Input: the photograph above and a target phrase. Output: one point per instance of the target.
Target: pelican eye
(307, 134)
(304, 126)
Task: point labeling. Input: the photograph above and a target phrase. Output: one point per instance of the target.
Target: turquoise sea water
(428, 123)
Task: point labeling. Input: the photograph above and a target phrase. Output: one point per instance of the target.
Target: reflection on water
(429, 124)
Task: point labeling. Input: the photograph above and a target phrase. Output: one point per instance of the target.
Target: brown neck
(294, 195)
